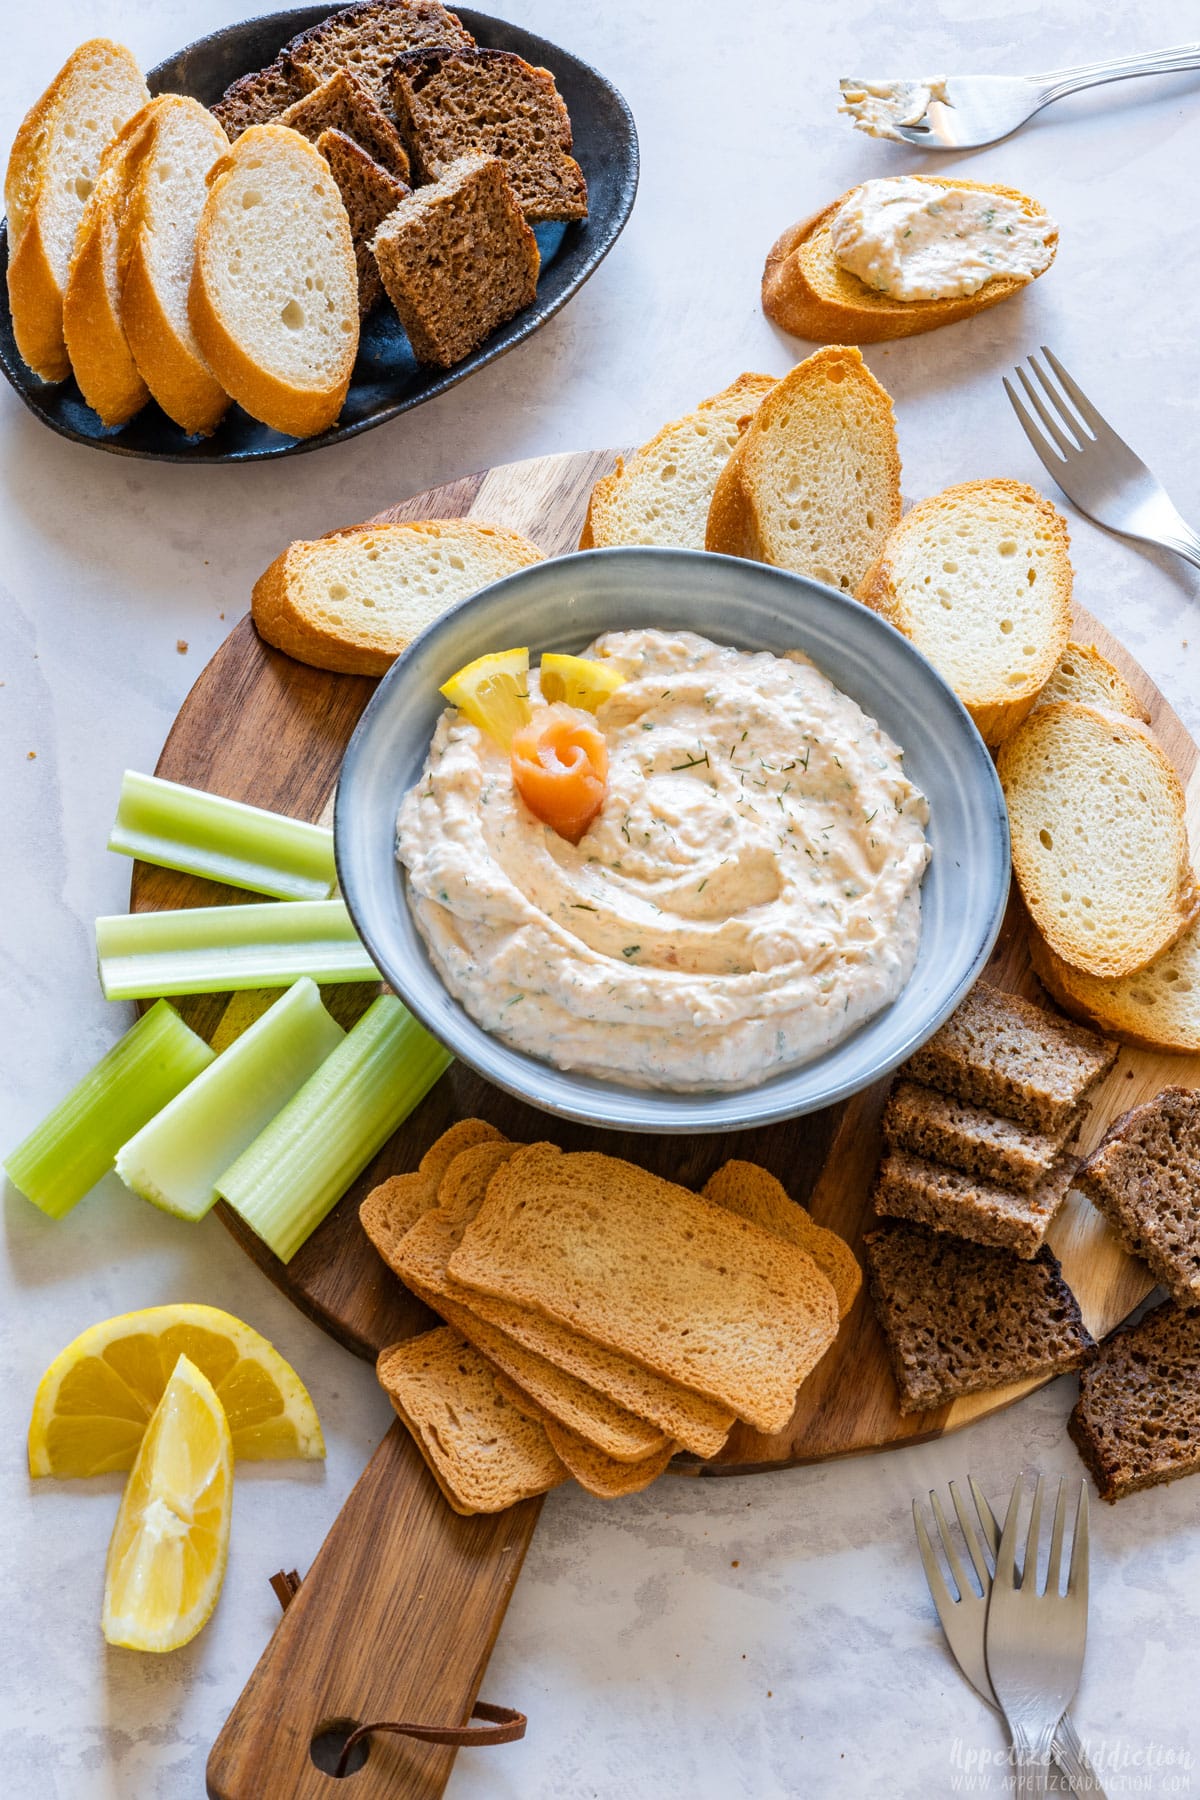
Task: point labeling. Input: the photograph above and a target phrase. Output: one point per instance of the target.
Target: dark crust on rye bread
(367, 38)
(450, 102)
(1136, 1423)
(457, 259)
(257, 98)
(343, 104)
(1001, 1052)
(1144, 1175)
(960, 1318)
(931, 1124)
(912, 1187)
(369, 194)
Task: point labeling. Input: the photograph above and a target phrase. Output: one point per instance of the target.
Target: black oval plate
(387, 379)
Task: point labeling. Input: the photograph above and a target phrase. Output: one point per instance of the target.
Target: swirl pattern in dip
(748, 896)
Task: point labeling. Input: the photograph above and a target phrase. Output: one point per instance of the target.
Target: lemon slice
(576, 681)
(95, 1400)
(493, 692)
(166, 1559)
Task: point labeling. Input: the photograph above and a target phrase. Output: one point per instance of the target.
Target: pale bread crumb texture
(662, 494)
(649, 1269)
(814, 482)
(351, 602)
(806, 291)
(1099, 838)
(51, 171)
(158, 252)
(979, 579)
(1084, 675)
(274, 296)
(1156, 1008)
(485, 1454)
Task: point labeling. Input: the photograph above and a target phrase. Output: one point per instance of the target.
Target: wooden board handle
(395, 1620)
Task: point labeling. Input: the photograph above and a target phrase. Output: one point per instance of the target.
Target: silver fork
(982, 109)
(1093, 466)
(963, 1615)
(1034, 1642)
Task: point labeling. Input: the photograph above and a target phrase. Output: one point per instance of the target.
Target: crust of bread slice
(814, 482)
(158, 237)
(101, 359)
(807, 292)
(288, 357)
(1082, 674)
(1156, 1008)
(979, 578)
(662, 494)
(1099, 838)
(51, 171)
(352, 601)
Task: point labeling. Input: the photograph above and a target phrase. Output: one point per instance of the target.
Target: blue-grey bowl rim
(477, 1047)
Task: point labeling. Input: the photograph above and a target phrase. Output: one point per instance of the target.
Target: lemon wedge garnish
(493, 692)
(96, 1399)
(166, 1559)
(577, 681)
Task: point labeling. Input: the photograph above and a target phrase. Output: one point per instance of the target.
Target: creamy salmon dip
(748, 896)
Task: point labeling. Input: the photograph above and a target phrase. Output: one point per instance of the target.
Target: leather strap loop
(504, 1726)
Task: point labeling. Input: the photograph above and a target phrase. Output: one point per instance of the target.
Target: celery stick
(205, 834)
(217, 949)
(304, 1161)
(65, 1156)
(174, 1161)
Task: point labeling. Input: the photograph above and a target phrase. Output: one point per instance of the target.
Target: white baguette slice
(979, 577)
(353, 601)
(1082, 674)
(1099, 838)
(274, 296)
(813, 484)
(101, 359)
(663, 493)
(806, 291)
(51, 171)
(1157, 1008)
(158, 249)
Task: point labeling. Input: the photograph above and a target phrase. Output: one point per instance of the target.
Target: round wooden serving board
(264, 729)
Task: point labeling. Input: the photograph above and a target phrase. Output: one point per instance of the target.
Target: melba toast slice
(655, 1272)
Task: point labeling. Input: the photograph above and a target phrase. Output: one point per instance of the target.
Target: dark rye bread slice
(1000, 1051)
(960, 1317)
(258, 98)
(1137, 1420)
(457, 259)
(971, 1206)
(343, 104)
(451, 102)
(1144, 1175)
(369, 194)
(935, 1125)
(367, 39)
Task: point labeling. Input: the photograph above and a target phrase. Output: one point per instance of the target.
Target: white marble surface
(762, 1637)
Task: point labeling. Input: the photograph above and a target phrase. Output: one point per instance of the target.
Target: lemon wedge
(95, 1400)
(166, 1559)
(577, 681)
(493, 692)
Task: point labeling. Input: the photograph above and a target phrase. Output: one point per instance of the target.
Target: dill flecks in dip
(748, 896)
(914, 240)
